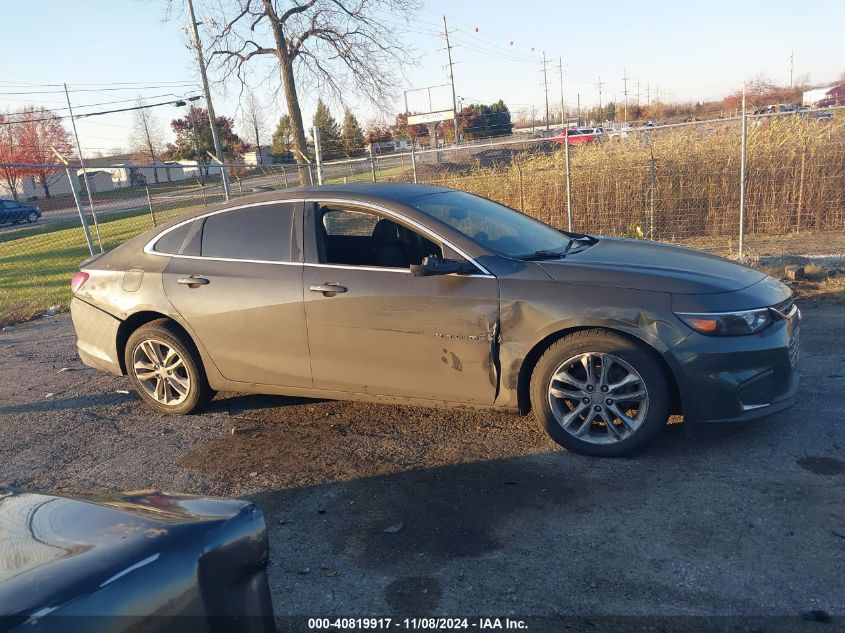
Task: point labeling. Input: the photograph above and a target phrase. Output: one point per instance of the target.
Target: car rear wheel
(165, 369)
(32, 217)
(598, 393)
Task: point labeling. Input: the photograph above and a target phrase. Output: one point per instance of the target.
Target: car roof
(363, 192)
(389, 191)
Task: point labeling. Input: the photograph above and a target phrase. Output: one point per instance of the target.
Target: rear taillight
(77, 281)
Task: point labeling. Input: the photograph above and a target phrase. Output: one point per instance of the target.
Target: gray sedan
(424, 295)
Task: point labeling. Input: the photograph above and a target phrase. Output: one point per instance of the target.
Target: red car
(578, 136)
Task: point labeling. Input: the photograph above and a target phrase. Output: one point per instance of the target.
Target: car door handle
(329, 288)
(193, 281)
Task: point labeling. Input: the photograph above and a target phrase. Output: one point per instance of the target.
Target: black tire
(199, 393)
(629, 351)
(32, 218)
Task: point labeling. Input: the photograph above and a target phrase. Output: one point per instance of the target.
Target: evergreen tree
(352, 136)
(282, 140)
(330, 142)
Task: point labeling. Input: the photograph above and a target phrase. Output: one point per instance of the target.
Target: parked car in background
(132, 562)
(12, 212)
(816, 115)
(424, 295)
(578, 136)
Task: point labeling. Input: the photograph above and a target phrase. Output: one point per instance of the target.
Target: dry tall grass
(795, 181)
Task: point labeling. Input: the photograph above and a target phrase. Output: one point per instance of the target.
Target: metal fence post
(372, 163)
(801, 189)
(79, 208)
(285, 176)
(568, 185)
(414, 160)
(318, 155)
(150, 203)
(202, 191)
(742, 168)
(521, 189)
(651, 195)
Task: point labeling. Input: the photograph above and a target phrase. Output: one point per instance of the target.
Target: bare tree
(334, 45)
(254, 121)
(147, 139)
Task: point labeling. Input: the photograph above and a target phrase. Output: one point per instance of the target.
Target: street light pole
(215, 134)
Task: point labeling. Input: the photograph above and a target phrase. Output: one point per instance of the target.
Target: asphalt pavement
(380, 510)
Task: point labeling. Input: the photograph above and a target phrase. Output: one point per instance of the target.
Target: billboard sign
(431, 117)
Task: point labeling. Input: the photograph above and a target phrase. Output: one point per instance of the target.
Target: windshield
(491, 225)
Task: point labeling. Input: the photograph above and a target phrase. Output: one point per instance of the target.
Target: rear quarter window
(171, 241)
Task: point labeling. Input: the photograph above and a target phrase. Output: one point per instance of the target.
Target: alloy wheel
(161, 371)
(598, 398)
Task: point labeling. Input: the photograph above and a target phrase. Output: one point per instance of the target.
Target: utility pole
(791, 53)
(578, 122)
(84, 171)
(625, 81)
(149, 143)
(451, 80)
(648, 94)
(215, 134)
(638, 93)
(562, 108)
(657, 94)
(546, 90)
(601, 112)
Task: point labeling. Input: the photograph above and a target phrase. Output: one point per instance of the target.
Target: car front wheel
(32, 217)
(599, 393)
(165, 369)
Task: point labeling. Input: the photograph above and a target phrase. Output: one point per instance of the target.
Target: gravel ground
(379, 510)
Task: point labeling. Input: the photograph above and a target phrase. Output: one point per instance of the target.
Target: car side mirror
(433, 265)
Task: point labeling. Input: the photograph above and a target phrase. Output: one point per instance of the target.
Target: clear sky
(689, 51)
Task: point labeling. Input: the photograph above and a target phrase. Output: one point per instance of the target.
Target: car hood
(55, 549)
(645, 265)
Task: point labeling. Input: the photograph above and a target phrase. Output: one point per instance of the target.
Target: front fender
(529, 326)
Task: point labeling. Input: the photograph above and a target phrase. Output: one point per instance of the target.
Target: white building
(129, 175)
(252, 157)
(98, 180)
(57, 184)
(812, 96)
(192, 169)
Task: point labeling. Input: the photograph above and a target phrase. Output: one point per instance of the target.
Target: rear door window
(261, 233)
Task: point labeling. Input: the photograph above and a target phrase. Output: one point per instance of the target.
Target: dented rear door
(391, 333)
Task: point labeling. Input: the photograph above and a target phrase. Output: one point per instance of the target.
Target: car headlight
(727, 323)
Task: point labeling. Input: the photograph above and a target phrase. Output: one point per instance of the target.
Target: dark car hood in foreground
(63, 556)
(644, 265)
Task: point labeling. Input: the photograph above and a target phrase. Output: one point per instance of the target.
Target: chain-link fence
(677, 184)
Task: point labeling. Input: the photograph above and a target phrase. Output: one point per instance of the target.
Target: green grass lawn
(36, 263)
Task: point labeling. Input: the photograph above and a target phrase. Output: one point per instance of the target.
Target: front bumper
(738, 378)
(96, 336)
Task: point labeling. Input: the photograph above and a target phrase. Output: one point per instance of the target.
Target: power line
(91, 105)
(90, 114)
(44, 92)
